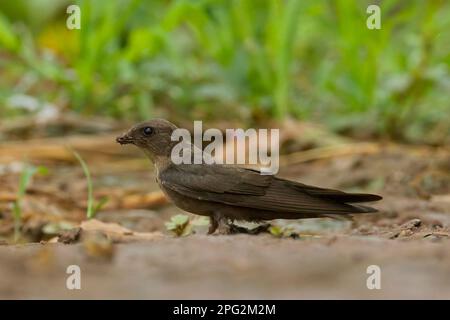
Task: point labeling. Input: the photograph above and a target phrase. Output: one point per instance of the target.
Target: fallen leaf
(70, 236)
(116, 232)
(148, 200)
(8, 197)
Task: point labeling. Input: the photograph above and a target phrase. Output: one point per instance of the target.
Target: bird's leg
(218, 221)
(214, 224)
(224, 226)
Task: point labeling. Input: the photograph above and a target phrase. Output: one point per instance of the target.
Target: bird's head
(153, 137)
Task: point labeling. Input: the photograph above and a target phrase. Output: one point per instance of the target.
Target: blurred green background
(234, 60)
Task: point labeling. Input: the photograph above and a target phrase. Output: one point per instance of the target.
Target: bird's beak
(124, 139)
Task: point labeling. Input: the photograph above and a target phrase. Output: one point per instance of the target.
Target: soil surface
(127, 252)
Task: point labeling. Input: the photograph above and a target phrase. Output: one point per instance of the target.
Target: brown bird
(228, 193)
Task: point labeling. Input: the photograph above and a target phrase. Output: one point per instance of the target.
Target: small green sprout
(25, 178)
(179, 225)
(283, 232)
(276, 231)
(92, 207)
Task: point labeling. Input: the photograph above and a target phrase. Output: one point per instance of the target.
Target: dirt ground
(126, 252)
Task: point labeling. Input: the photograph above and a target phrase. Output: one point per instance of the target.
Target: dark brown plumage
(230, 193)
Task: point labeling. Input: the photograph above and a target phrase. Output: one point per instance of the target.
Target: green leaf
(103, 200)
(8, 39)
(276, 231)
(179, 225)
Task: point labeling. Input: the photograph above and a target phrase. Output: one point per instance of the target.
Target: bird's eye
(147, 131)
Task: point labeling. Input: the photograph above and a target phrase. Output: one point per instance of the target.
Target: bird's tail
(340, 197)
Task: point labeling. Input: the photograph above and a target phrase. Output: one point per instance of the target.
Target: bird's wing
(248, 188)
(216, 179)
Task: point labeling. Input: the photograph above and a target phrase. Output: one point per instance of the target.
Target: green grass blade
(90, 205)
(25, 178)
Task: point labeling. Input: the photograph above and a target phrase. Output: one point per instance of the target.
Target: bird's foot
(259, 229)
(224, 227)
(219, 224)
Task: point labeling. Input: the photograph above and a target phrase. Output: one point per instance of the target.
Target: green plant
(242, 59)
(252, 42)
(25, 178)
(283, 232)
(92, 207)
(179, 225)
